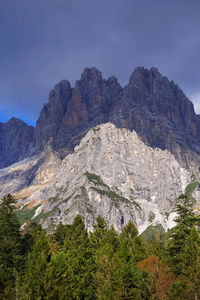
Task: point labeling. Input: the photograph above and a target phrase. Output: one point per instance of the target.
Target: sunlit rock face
(111, 173)
(100, 149)
(150, 104)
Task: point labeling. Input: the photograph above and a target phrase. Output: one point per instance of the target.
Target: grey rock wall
(111, 173)
(150, 104)
(16, 141)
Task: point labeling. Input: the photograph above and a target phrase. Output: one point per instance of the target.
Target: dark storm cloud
(42, 42)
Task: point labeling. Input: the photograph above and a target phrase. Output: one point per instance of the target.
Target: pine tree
(185, 220)
(133, 242)
(98, 235)
(191, 263)
(10, 247)
(10, 237)
(61, 233)
(108, 278)
(189, 286)
(30, 233)
(36, 267)
(137, 284)
(72, 266)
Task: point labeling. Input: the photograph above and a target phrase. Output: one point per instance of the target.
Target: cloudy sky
(45, 41)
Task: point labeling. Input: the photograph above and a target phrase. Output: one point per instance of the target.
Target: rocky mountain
(97, 148)
(89, 103)
(111, 173)
(150, 104)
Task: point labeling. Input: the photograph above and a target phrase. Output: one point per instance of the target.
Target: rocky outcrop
(111, 173)
(150, 104)
(16, 141)
(52, 114)
(161, 114)
(87, 104)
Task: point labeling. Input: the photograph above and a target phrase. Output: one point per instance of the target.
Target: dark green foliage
(95, 179)
(9, 232)
(177, 291)
(10, 247)
(191, 264)
(153, 232)
(33, 286)
(189, 287)
(97, 237)
(61, 233)
(23, 214)
(191, 187)
(72, 264)
(185, 219)
(137, 285)
(30, 233)
(115, 197)
(71, 268)
(129, 238)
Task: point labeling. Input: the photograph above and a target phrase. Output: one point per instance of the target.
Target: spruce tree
(98, 235)
(191, 264)
(61, 233)
(34, 285)
(72, 266)
(185, 220)
(108, 278)
(189, 285)
(137, 284)
(10, 247)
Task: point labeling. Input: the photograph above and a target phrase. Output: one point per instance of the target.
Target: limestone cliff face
(150, 104)
(87, 104)
(161, 114)
(111, 173)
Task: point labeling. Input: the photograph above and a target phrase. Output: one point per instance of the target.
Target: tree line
(72, 263)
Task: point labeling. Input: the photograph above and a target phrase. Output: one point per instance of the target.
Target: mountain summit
(150, 104)
(100, 149)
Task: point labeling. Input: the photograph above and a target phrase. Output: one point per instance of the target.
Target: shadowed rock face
(16, 141)
(52, 114)
(89, 103)
(150, 104)
(159, 96)
(161, 114)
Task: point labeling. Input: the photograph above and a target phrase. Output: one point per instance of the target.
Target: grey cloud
(43, 42)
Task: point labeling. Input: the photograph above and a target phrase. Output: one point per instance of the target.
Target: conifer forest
(72, 263)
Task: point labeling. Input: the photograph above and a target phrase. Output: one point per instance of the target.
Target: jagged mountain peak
(15, 121)
(91, 74)
(60, 91)
(150, 104)
(145, 73)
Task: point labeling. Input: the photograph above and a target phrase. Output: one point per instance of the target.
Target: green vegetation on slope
(191, 187)
(74, 264)
(153, 232)
(24, 213)
(95, 179)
